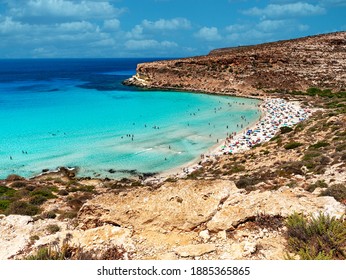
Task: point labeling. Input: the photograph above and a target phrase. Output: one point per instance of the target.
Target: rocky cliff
(316, 61)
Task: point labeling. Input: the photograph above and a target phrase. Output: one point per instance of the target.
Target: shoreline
(267, 116)
(211, 153)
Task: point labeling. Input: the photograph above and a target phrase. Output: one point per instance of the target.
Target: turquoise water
(60, 121)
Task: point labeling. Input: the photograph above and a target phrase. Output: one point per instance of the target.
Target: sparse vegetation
(53, 228)
(22, 208)
(285, 129)
(317, 184)
(247, 182)
(319, 238)
(338, 191)
(66, 251)
(37, 200)
(68, 214)
(49, 215)
(273, 222)
(292, 145)
(319, 144)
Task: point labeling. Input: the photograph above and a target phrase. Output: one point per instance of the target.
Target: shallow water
(76, 113)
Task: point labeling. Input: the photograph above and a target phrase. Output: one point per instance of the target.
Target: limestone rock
(204, 234)
(168, 256)
(239, 207)
(14, 234)
(194, 250)
(249, 248)
(289, 65)
(159, 209)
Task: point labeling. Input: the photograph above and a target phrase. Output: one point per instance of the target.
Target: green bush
(48, 215)
(63, 192)
(22, 208)
(338, 191)
(46, 192)
(311, 155)
(323, 237)
(7, 192)
(317, 184)
(30, 188)
(319, 144)
(18, 184)
(53, 228)
(246, 182)
(292, 145)
(37, 200)
(4, 205)
(341, 147)
(285, 129)
(48, 252)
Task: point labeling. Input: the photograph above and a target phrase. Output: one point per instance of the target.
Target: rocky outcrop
(316, 61)
(176, 206)
(193, 219)
(187, 205)
(187, 219)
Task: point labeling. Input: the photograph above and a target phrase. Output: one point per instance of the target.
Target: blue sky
(156, 28)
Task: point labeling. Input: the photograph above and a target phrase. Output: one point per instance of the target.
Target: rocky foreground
(235, 206)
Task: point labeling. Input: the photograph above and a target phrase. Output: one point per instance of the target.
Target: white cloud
(147, 27)
(303, 27)
(272, 25)
(111, 24)
(135, 33)
(10, 26)
(237, 27)
(290, 9)
(208, 34)
(65, 9)
(80, 26)
(167, 24)
(149, 44)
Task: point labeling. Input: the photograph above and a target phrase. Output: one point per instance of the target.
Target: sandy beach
(275, 113)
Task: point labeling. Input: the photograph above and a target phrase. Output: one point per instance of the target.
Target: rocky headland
(248, 205)
(316, 61)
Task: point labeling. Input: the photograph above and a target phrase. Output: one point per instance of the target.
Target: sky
(156, 28)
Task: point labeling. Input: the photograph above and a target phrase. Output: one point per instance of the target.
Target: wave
(143, 151)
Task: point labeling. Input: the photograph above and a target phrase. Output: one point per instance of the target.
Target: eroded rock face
(316, 61)
(186, 205)
(239, 207)
(181, 206)
(192, 219)
(187, 219)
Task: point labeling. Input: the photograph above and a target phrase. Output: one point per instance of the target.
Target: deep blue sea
(76, 113)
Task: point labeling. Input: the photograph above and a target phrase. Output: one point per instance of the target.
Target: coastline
(211, 154)
(291, 108)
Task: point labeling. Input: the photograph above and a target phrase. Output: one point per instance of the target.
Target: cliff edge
(315, 61)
